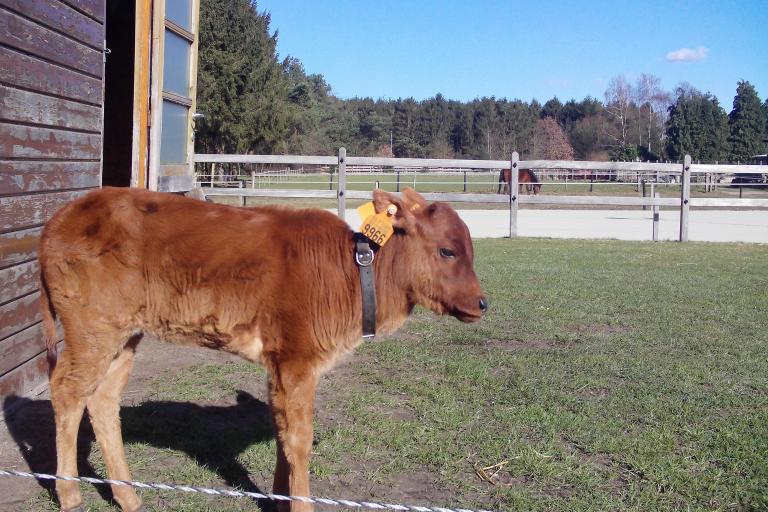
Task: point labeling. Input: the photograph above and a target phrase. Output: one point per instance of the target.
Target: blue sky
(468, 49)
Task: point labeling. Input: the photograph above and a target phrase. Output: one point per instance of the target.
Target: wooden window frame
(178, 177)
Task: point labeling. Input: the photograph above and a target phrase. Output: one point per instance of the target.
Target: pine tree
(554, 109)
(765, 114)
(697, 125)
(746, 124)
(404, 128)
(242, 88)
(588, 137)
(461, 132)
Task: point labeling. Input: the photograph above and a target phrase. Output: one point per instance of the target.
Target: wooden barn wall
(51, 68)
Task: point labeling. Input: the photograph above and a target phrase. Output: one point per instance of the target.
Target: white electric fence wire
(235, 493)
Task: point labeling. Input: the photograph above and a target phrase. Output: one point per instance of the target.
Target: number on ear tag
(377, 227)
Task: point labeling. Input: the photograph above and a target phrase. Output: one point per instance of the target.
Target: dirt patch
(349, 376)
(419, 488)
(602, 461)
(153, 358)
(531, 343)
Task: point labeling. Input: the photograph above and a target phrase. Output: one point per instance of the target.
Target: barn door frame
(165, 85)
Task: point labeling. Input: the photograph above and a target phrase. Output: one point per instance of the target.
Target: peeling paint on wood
(31, 107)
(33, 142)
(20, 176)
(21, 347)
(19, 280)
(24, 379)
(38, 75)
(19, 246)
(51, 108)
(19, 314)
(96, 8)
(26, 35)
(18, 212)
(60, 17)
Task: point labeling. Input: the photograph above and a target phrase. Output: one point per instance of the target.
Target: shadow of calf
(213, 436)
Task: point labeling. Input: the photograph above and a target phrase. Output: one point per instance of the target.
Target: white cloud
(688, 55)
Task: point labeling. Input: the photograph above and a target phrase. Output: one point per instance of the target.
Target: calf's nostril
(483, 304)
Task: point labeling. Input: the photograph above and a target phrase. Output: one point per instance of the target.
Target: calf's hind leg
(75, 381)
(104, 411)
(68, 406)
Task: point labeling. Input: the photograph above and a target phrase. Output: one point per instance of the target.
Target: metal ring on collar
(364, 259)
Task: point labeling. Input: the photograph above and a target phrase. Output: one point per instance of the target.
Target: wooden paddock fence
(513, 198)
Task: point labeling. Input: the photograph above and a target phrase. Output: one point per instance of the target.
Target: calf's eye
(447, 253)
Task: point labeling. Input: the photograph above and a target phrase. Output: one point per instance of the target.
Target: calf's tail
(49, 323)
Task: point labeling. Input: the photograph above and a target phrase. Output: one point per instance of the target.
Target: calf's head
(439, 253)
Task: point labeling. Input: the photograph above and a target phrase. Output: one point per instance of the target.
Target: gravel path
(704, 225)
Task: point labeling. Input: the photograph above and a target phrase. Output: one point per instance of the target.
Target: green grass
(485, 182)
(607, 376)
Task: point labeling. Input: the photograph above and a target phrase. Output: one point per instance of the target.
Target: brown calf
(277, 286)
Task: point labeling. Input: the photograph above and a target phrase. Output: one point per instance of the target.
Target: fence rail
(513, 198)
(433, 163)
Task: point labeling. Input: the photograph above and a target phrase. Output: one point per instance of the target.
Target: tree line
(255, 103)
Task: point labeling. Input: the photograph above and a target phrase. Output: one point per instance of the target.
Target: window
(178, 52)
(179, 12)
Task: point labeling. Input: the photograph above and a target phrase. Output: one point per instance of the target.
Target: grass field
(487, 182)
(607, 376)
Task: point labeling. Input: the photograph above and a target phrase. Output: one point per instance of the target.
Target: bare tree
(652, 98)
(618, 103)
(661, 101)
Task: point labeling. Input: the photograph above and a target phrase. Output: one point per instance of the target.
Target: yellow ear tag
(377, 227)
(366, 210)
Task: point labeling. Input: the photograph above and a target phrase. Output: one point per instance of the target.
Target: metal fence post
(656, 195)
(513, 185)
(685, 198)
(342, 187)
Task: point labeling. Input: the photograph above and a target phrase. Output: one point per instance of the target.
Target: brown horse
(524, 176)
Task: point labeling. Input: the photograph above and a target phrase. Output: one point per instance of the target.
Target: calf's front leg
(292, 397)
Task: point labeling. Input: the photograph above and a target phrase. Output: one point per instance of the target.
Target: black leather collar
(364, 256)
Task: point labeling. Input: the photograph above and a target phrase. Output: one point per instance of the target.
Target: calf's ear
(413, 200)
(401, 215)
